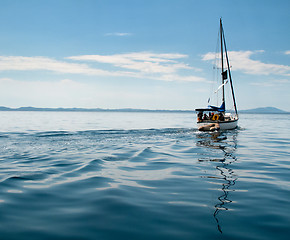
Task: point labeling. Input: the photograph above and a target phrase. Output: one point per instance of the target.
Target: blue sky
(152, 54)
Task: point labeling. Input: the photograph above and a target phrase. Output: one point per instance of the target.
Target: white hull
(224, 125)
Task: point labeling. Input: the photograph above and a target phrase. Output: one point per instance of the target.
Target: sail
(222, 108)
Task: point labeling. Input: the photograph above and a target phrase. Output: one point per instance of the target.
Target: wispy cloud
(119, 34)
(272, 83)
(158, 66)
(163, 66)
(241, 60)
(287, 52)
(145, 65)
(21, 63)
(142, 61)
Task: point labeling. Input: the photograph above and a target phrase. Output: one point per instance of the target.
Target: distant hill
(264, 110)
(5, 109)
(87, 110)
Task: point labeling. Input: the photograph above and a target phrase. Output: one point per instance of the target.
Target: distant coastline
(28, 109)
(265, 110)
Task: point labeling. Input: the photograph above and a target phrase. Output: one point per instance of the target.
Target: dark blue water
(142, 176)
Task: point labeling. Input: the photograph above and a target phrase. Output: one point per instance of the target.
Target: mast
(228, 67)
(222, 59)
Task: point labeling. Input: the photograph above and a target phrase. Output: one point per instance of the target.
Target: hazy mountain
(87, 110)
(265, 110)
(4, 109)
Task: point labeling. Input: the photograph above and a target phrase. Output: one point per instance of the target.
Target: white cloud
(263, 84)
(42, 63)
(272, 83)
(287, 52)
(142, 65)
(146, 64)
(282, 81)
(143, 61)
(241, 60)
(63, 84)
(118, 34)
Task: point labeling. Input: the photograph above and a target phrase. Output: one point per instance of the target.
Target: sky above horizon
(149, 54)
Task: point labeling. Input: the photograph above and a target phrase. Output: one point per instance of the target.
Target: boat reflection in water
(222, 146)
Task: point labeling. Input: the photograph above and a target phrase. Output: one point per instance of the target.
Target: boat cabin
(210, 115)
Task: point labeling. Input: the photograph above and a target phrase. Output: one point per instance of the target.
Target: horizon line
(79, 109)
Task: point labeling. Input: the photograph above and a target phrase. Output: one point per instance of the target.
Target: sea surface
(118, 175)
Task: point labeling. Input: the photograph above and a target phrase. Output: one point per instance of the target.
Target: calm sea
(110, 175)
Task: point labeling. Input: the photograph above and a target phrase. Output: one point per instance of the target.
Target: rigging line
(215, 73)
(222, 56)
(230, 76)
(214, 70)
(221, 86)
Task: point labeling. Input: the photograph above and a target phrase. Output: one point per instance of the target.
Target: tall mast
(229, 69)
(222, 59)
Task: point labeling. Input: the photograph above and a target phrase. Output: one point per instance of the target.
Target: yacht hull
(223, 125)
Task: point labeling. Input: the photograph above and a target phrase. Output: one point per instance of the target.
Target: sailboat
(214, 117)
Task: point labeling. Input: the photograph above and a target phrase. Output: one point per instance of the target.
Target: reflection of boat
(230, 179)
(215, 118)
(226, 144)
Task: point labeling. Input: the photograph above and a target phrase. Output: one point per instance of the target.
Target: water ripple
(171, 183)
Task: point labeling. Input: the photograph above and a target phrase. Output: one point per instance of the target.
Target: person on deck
(199, 116)
(221, 116)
